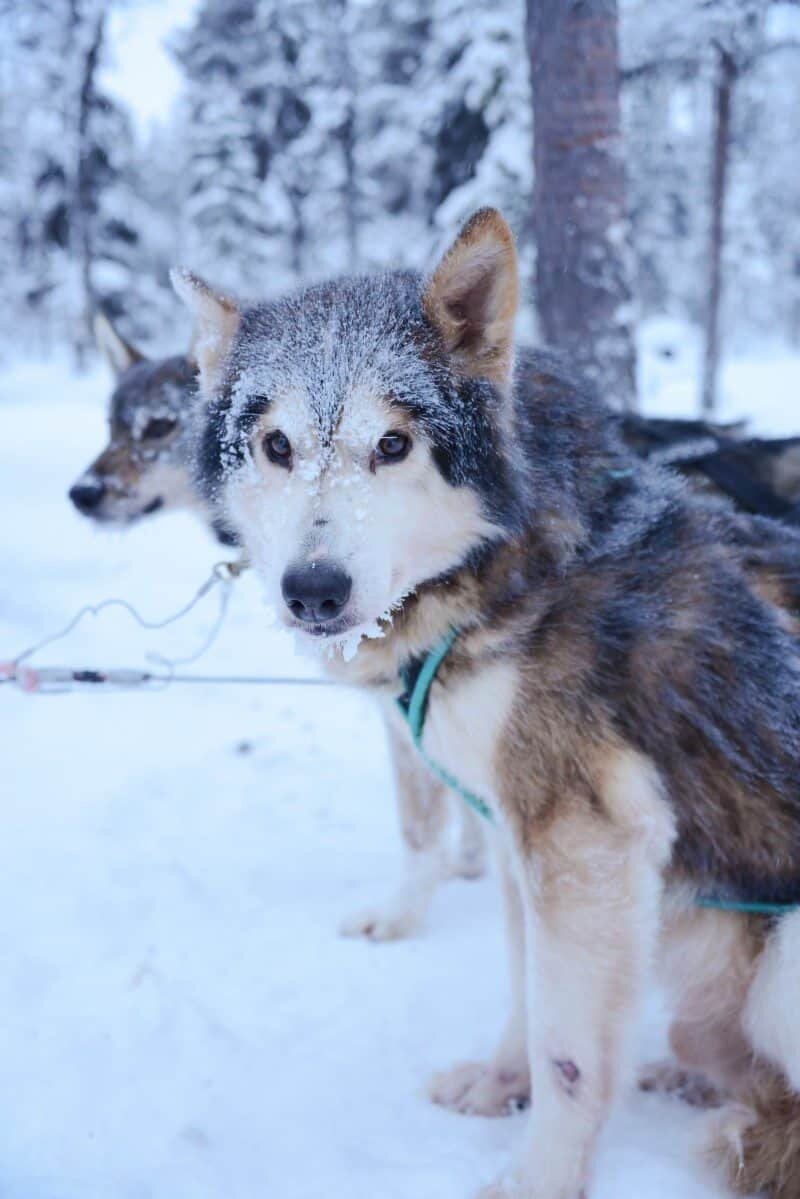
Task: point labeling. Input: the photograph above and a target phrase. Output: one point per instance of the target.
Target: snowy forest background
(178, 1017)
(313, 137)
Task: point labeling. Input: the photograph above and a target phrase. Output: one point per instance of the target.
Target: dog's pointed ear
(216, 320)
(118, 353)
(472, 298)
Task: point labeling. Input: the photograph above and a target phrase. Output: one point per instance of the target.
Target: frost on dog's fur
(624, 689)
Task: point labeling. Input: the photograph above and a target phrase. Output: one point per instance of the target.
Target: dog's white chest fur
(464, 724)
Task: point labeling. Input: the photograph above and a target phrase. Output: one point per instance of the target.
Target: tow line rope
(413, 706)
(57, 679)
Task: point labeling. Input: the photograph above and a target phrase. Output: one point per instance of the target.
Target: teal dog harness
(417, 678)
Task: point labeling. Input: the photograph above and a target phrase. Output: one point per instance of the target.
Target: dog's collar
(417, 677)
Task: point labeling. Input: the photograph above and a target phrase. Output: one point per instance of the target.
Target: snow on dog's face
(355, 432)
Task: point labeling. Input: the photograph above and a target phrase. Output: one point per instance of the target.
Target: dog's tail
(756, 1140)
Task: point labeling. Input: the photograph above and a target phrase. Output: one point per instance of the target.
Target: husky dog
(623, 690)
(145, 468)
(761, 475)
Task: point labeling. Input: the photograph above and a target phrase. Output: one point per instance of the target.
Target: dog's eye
(158, 427)
(278, 448)
(392, 447)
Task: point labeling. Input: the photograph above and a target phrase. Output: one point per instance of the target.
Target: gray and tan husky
(622, 686)
(145, 468)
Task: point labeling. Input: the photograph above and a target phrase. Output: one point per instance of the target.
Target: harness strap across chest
(417, 678)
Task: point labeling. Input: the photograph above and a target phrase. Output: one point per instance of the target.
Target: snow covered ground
(178, 1018)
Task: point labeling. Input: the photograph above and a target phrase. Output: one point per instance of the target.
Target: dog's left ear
(118, 353)
(472, 298)
(216, 320)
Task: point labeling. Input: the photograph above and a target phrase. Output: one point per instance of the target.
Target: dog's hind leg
(423, 811)
(707, 960)
(770, 1015)
(756, 1139)
(502, 1084)
(590, 872)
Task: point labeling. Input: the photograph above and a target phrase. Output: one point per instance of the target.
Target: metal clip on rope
(55, 680)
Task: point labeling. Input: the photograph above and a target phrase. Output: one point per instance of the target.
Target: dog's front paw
(668, 1078)
(481, 1089)
(388, 923)
(469, 863)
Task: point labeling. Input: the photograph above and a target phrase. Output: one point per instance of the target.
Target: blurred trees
(270, 185)
(67, 236)
(709, 86)
(330, 136)
(316, 138)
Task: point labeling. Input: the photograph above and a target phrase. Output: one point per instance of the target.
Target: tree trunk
(580, 220)
(723, 89)
(347, 134)
(351, 187)
(83, 213)
(297, 232)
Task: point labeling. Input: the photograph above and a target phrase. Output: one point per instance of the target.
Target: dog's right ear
(216, 320)
(118, 353)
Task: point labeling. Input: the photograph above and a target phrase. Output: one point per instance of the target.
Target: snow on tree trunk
(579, 212)
(723, 89)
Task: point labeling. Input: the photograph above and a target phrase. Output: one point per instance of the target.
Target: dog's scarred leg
(502, 1084)
(423, 812)
(590, 878)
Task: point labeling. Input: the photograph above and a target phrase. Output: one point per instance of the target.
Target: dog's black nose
(87, 494)
(316, 591)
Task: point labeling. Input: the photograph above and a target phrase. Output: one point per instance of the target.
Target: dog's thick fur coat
(624, 691)
(145, 468)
